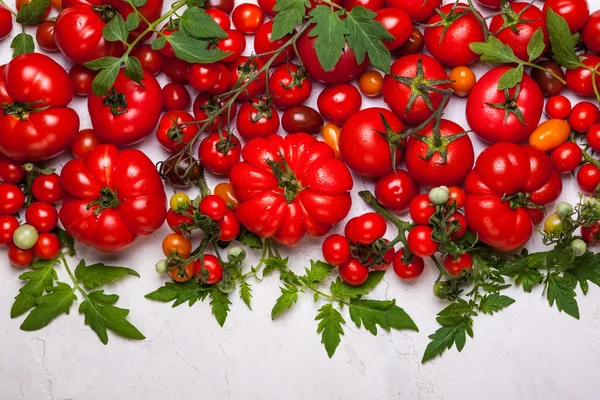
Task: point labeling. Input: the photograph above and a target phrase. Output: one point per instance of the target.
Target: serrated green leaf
(524, 269)
(103, 63)
(273, 264)
(105, 79)
(384, 313)
(494, 51)
(289, 13)
(330, 327)
(459, 308)
(446, 336)
(190, 291)
(32, 13)
(39, 279)
(560, 290)
(365, 37)
(246, 292)
(586, 268)
(289, 295)
(115, 30)
(58, 301)
(66, 241)
(318, 271)
(198, 24)
(330, 30)
(536, 45)
(159, 43)
(494, 302)
(101, 315)
(250, 239)
(22, 44)
(343, 291)
(511, 78)
(133, 70)
(132, 22)
(95, 275)
(220, 304)
(194, 50)
(562, 41)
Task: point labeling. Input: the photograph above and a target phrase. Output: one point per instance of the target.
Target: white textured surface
(529, 351)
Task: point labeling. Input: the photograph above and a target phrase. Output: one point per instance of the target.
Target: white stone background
(529, 351)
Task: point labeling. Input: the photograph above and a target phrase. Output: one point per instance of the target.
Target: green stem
(72, 276)
(13, 12)
(546, 70)
(151, 26)
(590, 159)
(204, 189)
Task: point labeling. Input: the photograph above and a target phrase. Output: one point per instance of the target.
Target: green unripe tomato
(564, 209)
(579, 247)
(439, 289)
(439, 195)
(25, 237)
(161, 267)
(226, 285)
(236, 254)
(553, 224)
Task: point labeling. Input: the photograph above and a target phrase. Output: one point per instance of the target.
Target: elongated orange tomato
(331, 136)
(550, 134)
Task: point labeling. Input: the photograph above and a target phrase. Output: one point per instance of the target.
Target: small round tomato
(579, 80)
(243, 71)
(336, 249)
(353, 272)
(8, 226)
(25, 237)
(257, 119)
(553, 225)
(44, 35)
(575, 12)
(85, 141)
(558, 107)
(19, 258)
(421, 209)
(566, 157)
(177, 219)
(213, 206)
(42, 216)
(583, 116)
(414, 44)
(593, 137)
(6, 22)
(339, 102)
(408, 269)
(302, 119)
(150, 59)
(454, 266)
(234, 43)
(224, 5)
(19, 4)
(591, 233)
(181, 171)
(289, 86)
(82, 78)
(247, 18)
(175, 130)
(368, 227)
(550, 134)
(11, 199)
(177, 70)
(549, 84)
(588, 178)
(220, 17)
(229, 226)
(373, 5)
(264, 47)
(203, 76)
(10, 171)
(204, 105)
(395, 190)
(47, 188)
(461, 225)
(397, 23)
(47, 247)
(209, 271)
(179, 202)
(370, 83)
(418, 10)
(225, 191)
(182, 274)
(420, 241)
(219, 153)
(175, 243)
(331, 136)
(175, 97)
(463, 80)
(456, 196)
(590, 33)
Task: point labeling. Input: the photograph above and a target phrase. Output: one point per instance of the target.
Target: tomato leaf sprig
(29, 14)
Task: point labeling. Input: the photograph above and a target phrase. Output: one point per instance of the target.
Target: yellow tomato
(331, 135)
(463, 81)
(225, 191)
(179, 202)
(370, 83)
(550, 134)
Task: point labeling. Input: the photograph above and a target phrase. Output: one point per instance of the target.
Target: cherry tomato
(558, 107)
(575, 12)
(588, 178)
(408, 269)
(368, 228)
(175, 97)
(418, 10)
(44, 35)
(373, 5)
(175, 243)
(463, 80)
(225, 191)
(590, 33)
(224, 5)
(302, 119)
(47, 188)
(395, 190)
(339, 102)
(289, 86)
(19, 4)
(420, 241)
(150, 59)
(203, 76)
(177, 219)
(264, 45)
(244, 70)
(19, 258)
(85, 141)
(82, 78)
(397, 23)
(179, 275)
(6, 22)
(224, 79)
(211, 272)
(247, 18)
(456, 196)
(267, 7)
(213, 206)
(414, 44)
(177, 70)
(461, 225)
(579, 80)
(8, 225)
(179, 202)
(234, 43)
(175, 130)
(42, 216)
(370, 83)
(257, 119)
(593, 137)
(353, 272)
(583, 116)
(218, 154)
(591, 234)
(220, 17)
(47, 247)
(10, 171)
(25, 237)
(336, 249)
(550, 134)
(11, 199)
(549, 84)
(454, 266)
(331, 136)
(167, 30)
(229, 226)
(421, 209)
(566, 157)
(181, 172)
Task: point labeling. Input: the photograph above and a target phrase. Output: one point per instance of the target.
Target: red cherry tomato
(244, 70)
(590, 33)
(19, 4)
(289, 86)
(47, 188)
(8, 225)
(6, 22)
(229, 226)
(224, 79)
(220, 17)
(593, 137)
(82, 79)
(591, 234)
(420, 241)
(588, 178)
(558, 107)
(175, 97)
(247, 18)
(339, 102)
(205, 104)
(175, 130)
(19, 258)
(418, 10)
(353, 272)
(210, 271)
(177, 70)
(44, 35)
(456, 196)
(257, 119)
(11, 199)
(575, 12)
(408, 269)
(234, 43)
(397, 23)
(368, 228)
(213, 206)
(336, 249)
(263, 44)
(85, 141)
(421, 209)
(224, 5)
(579, 80)
(395, 190)
(203, 76)
(583, 116)
(10, 171)
(566, 157)
(150, 59)
(42, 216)
(47, 247)
(454, 266)
(219, 153)
(461, 225)
(175, 219)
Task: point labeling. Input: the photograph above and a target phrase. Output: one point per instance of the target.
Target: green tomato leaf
(586, 268)
(58, 301)
(105, 79)
(330, 328)
(198, 24)
(159, 43)
(561, 290)
(22, 44)
(318, 271)
(39, 279)
(245, 292)
(250, 239)
(66, 241)
(32, 13)
(494, 51)
(273, 264)
(536, 46)
(494, 302)
(190, 291)
(115, 30)
(344, 291)
(103, 63)
(384, 313)
(289, 295)
(132, 22)
(329, 30)
(562, 41)
(511, 78)
(137, 3)
(451, 333)
(219, 302)
(133, 70)
(289, 13)
(95, 275)
(194, 50)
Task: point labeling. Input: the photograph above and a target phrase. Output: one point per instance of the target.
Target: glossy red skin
(82, 78)
(8, 225)
(434, 172)
(144, 105)
(459, 35)
(177, 70)
(454, 266)
(591, 234)
(566, 157)
(353, 272)
(249, 128)
(575, 12)
(420, 242)
(10, 170)
(128, 173)
(247, 18)
(175, 219)
(588, 178)
(550, 191)
(267, 7)
(42, 216)
(350, 232)
(418, 10)
(213, 206)
(583, 116)
(6, 22)
(150, 59)
(324, 201)
(339, 102)
(413, 269)
(579, 80)
(396, 95)
(284, 97)
(558, 107)
(224, 80)
(175, 97)
(212, 265)
(19, 258)
(214, 160)
(488, 122)
(78, 35)
(220, 17)
(397, 23)
(346, 69)
(47, 188)
(302, 119)
(367, 228)
(461, 225)
(44, 36)
(224, 5)
(230, 226)
(336, 249)
(421, 210)
(495, 4)
(518, 41)
(47, 247)
(234, 43)
(590, 33)
(11, 199)
(361, 145)
(203, 76)
(256, 87)
(85, 141)
(218, 123)
(593, 137)
(171, 119)
(263, 44)
(373, 5)
(395, 190)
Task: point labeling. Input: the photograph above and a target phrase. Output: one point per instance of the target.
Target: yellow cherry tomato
(225, 191)
(464, 80)
(179, 201)
(550, 134)
(553, 224)
(370, 83)
(331, 135)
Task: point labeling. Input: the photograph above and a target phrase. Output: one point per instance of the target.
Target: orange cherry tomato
(550, 134)
(464, 80)
(331, 135)
(225, 191)
(57, 4)
(456, 196)
(175, 243)
(179, 275)
(370, 83)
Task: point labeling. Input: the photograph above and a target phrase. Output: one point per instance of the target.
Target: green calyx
(262, 109)
(20, 110)
(446, 20)
(519, 200)
(394, 139)
(108, 199)
(225, 144)
(116, 101)
(298, 77)
(436, 143)
(510, 105)
(286, 179)
(106, 12)
(373, 254)
(511, 18)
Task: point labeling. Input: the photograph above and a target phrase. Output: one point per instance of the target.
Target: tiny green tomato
(25, 237)
(236, 254)
(161, 267)
(579, 247)
(564, 209)
(439, 195)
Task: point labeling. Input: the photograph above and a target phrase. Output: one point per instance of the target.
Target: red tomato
(85, 141)
(209, 270)
(129, 112)
(346, 69)
(34, 93)
(47, 188)
(175, 130)
(397, 23)
(421, 210)
(113, 197)
(549, 192)
(218, 154)
(366, 139)
(575, 12)
(10, 171)
(397, 95)
(44, 35)
(289, 86)
(515, 112)
(420, 241)
(82, 78)
(588, 178)
(495, 4)
(205, 105)
(177, 219)
(6, 22)
(593, 137)
(175, 97)
(418, 10)
(302, 119)
(558, 107)
(11, 199)
(583, 116)
(224, 80)
(336, 249)
(42, 216)
(267, 7)
(203, 76)
(19, 258)
(454, 266)
(150, 59)
(566, 157)
(367, 228)
(445, 162)
(579, 80)
(8, 225)
(213, 206)
(234, 43)
(339, 102)
(229, 226)
(457, 196)
(353, 272)
(263, 44)
(309, 194)
(408, 269)
(247, 18)
(524, 20)
(395, 190)
(177, 70)
(456, 31)
(257, 118)
(220, 17)
(461, 225)
(591, 234)
(224, 5)
(47, 247)
(242, 71)
(167, 30)
(590, 33)
(372, 5)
